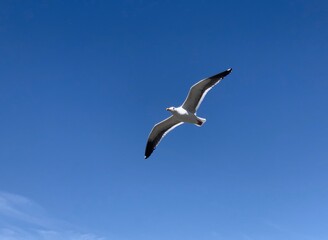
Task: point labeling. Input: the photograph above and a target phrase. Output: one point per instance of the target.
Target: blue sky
(83, 82)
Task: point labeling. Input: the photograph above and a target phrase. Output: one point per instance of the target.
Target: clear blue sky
(83, 82)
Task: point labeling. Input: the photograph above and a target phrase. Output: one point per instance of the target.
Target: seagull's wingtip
(224, 73)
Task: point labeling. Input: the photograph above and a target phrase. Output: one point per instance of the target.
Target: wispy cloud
(23, 219)
(19, 208)
(14, 233)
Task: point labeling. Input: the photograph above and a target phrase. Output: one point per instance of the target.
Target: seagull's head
(170, 109)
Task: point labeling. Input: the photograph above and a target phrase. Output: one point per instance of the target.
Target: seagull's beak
(167, 109)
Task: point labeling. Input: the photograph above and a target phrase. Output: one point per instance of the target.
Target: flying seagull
(186, 113)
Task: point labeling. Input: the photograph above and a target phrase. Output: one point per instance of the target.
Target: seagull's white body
(186, 113)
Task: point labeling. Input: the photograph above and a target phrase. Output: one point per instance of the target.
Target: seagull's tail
(200, 121)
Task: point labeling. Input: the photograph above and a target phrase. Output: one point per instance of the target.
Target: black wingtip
(226, 72)
(222, 74)
(149, 150)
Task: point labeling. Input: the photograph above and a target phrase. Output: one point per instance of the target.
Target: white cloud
(14, 233)
(23, 219)
(19, 208)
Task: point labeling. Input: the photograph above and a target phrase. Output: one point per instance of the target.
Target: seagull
(186, 113)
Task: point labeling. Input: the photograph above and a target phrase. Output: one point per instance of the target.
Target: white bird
(186, 113)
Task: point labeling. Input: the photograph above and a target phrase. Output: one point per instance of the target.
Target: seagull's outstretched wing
(199, 90)
(158, 132)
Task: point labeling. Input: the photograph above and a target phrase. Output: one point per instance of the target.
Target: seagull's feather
(199, 90)
(158, 132)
